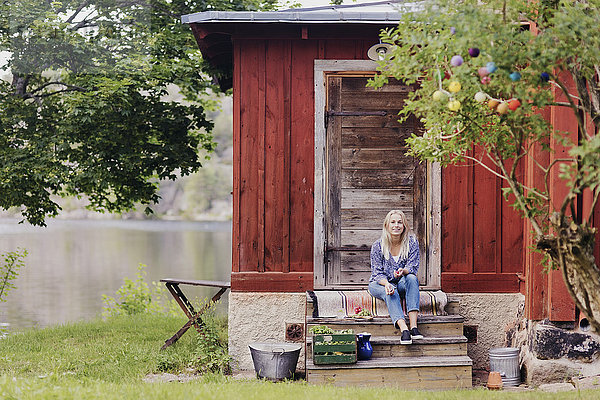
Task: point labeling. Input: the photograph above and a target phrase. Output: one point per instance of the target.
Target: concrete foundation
(490, 315)
(264, 318)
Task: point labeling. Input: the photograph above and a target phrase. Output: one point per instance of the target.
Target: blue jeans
(407, 287)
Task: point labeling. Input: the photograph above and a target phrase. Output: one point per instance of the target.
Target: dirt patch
(166, 377)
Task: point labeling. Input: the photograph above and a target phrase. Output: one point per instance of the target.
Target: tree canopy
(487, 71)
(84, 105)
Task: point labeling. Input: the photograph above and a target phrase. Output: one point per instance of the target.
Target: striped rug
(343, 303)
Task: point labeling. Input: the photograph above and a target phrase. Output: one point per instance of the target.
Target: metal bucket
(506, 361)
(275, 361)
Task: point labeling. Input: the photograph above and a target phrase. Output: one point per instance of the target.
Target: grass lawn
(109, 359)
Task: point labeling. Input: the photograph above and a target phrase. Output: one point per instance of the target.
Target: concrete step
(430, 373)
(389, 346)
(433, 326)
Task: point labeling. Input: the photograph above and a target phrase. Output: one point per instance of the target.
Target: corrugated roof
(364, 13)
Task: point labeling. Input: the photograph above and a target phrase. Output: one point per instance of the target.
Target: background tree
(84, 105)
(487, 69)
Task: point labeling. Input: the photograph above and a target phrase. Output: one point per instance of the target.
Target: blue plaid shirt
(382, 268)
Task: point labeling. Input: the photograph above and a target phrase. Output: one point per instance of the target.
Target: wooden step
(424, 373)
(434, 326)
(390, 346)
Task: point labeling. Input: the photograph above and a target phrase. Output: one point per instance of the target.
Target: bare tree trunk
(572, 250)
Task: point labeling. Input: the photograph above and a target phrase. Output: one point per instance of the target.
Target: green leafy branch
(13, 261)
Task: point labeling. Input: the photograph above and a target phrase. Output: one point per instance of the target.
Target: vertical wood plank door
(367, 173)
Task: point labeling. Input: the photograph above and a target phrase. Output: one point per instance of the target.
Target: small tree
(486, 71)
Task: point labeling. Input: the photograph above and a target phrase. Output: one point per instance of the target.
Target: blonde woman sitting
(394, 267)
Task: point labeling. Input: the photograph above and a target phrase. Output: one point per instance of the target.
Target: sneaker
(405, 338)
(414, 332)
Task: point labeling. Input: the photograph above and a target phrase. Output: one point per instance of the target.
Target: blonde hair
(386, 238)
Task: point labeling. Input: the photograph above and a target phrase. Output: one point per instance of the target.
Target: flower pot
(494, 381)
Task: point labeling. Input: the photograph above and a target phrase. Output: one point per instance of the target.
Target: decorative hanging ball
(473, 51)
(492, 103)
(514, 104)
(454, 86)
(491, 67)
(454, 105)
(452, 30)
(545, 77)
(456, 61)
(483, 71)
(485, 80)
(502, 108)
(438, 95)
(480, 97)
(515, 76)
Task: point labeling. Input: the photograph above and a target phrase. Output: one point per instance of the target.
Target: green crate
(339, 348)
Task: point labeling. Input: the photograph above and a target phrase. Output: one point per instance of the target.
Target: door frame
(322, 68)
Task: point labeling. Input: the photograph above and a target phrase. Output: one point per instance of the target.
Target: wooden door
(367, 173)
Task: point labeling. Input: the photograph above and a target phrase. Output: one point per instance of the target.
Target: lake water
(71, 264)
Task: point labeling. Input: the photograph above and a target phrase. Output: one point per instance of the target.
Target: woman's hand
(397, 273)
(389, 289)
(405, 271)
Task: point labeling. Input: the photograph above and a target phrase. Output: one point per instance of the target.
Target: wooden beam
(271, 281)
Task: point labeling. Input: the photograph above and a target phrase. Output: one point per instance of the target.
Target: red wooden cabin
(312, 183)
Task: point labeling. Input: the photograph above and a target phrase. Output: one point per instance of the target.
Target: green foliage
(136, 297)
(459, 128)
(85, 108)
(12, 262)
(211, 352)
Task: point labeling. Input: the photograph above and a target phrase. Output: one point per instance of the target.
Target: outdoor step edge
(427, 340)
(452, 298)
(398, 362)
(423, 319)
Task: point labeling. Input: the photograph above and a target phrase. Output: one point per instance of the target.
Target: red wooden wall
(274, 168)
(482, 236)
(274, 155)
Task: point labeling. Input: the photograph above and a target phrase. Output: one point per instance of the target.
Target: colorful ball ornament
(454, 86)
(514, 104)
(485, 80)
(438, 95)
(480, 97)
(491, 67)
(456, 61)
(502, 108)
(545, 77)
(515, 76)
(492, 103)
(483, 71)
(454, 105)
(473, 52)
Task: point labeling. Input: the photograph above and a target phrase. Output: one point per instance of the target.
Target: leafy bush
(136, 297)
(211, 353)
